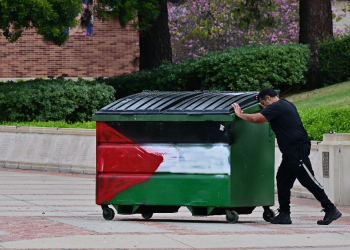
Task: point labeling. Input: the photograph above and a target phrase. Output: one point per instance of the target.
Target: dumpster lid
(180, 102)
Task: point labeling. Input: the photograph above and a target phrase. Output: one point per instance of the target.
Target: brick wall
(109, 51)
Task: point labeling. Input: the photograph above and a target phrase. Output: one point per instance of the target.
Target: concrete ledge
(51, 168)
(47, 130)
(25, 166)
(43, 130)
(12, 165)
(336, 137)
(74, 131)
(12, 129)
(64, 168)
(65, 150)
(38, 167)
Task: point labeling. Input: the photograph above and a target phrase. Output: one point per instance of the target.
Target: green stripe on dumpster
(178, 189)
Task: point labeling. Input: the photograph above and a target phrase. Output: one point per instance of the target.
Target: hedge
(321, 121)
(243, 68)
(334, 60)
(57, 99)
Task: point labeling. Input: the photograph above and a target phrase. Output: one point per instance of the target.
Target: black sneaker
(281, 218)
(329, 216)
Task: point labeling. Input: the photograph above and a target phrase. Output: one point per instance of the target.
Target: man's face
(265, 102)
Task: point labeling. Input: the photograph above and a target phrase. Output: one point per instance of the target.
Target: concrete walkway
(41, 210)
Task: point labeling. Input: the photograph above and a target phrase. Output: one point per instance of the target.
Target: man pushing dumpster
(294, 144)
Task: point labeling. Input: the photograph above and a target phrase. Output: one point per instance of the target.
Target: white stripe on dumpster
(197, 159)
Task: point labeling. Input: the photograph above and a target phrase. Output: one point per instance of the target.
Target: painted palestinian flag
(123, 163)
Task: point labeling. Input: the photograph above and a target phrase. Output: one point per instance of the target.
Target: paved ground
(41, 210)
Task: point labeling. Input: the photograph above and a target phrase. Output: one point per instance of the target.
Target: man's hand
(254, 118)
(237, 109)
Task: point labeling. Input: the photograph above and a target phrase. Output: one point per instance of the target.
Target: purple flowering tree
(200, 26)
(340, 10)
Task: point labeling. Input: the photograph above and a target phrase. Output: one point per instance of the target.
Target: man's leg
(285, 180)
(312, 185)
(307, 179)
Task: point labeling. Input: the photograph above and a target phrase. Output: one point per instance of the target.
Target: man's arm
(254, 118)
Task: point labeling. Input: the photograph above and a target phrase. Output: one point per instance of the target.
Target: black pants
(291, 169)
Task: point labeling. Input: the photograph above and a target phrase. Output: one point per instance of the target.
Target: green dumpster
(158, 151)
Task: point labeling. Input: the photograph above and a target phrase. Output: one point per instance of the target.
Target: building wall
(109, 51)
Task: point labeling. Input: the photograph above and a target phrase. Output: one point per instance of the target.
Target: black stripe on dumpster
(175, 132)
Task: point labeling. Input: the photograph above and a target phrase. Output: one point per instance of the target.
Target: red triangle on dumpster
(121, 163)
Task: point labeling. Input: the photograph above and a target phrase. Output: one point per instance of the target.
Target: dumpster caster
(231, 216)
(147, 216)
(268, 214)
(107, 213)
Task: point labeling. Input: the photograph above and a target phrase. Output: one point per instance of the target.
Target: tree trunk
(315, 25)
(155, 45)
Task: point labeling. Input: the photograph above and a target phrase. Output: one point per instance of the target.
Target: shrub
(244, 68)
(334, 60)
(58, 99)
(254, 67)
(320, 121)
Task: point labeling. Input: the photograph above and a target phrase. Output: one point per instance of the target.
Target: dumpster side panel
(177, 189)
(193, 172)
(252, 165)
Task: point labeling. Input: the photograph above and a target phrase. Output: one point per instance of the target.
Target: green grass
(325, 109)
(55, 124)
(331, 97)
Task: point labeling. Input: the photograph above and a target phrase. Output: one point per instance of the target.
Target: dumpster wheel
(147, 216)
(107, 213)
(231, 216)
(268, 214)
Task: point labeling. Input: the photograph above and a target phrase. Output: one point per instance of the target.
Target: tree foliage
(126, 11)
(49, 17)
